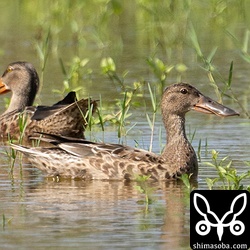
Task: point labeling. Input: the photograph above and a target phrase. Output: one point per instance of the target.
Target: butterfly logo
(203, 227)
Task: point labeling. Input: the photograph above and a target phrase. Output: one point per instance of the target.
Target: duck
(82, 159)
(67, 117)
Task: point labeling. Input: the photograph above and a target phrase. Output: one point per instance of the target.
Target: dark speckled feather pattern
(79, 158)
(66, 117)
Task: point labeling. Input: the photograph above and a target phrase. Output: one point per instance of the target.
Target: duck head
(22, 80)
(180, 98)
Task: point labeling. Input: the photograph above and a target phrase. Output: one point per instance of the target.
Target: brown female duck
(77, 158)
(63, 118)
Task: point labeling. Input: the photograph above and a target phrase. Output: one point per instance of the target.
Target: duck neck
(175, 128)
(18, 102)
(24, 97)
(177, 142)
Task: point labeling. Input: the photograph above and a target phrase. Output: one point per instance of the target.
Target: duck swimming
(63, 118)
(78, 158)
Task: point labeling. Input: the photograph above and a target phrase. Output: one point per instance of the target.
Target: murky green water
(37, 213)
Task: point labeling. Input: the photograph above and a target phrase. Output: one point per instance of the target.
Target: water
(38, 213)
(75, 214)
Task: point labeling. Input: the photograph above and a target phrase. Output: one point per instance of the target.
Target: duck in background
(67, 117)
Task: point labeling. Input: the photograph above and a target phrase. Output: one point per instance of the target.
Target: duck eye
(9, 69)
(184, 91)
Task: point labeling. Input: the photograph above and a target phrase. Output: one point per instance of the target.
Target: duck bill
(209, 106)
(3, 88)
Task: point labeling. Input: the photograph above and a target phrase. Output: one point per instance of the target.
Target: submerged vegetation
(95, 46)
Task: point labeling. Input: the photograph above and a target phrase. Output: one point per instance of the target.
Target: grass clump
(228, 177)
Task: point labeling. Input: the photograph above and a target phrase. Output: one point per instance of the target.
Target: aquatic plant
(5, 221)
(214, 74)
(186, 179)
(160, 70)
(10, 153)
(152, 122)
(11, 156)
(109, 68)
(43, 49)
(144, 188)
(22, 124)
(228, 177)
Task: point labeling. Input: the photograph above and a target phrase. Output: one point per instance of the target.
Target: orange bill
(3, 88)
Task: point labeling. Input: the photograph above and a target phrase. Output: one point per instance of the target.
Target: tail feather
(57, 139)
(69, 120)
(62, 107)
(28, 151)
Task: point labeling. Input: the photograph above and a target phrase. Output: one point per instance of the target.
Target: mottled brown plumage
(77, 158)
(63, 118)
